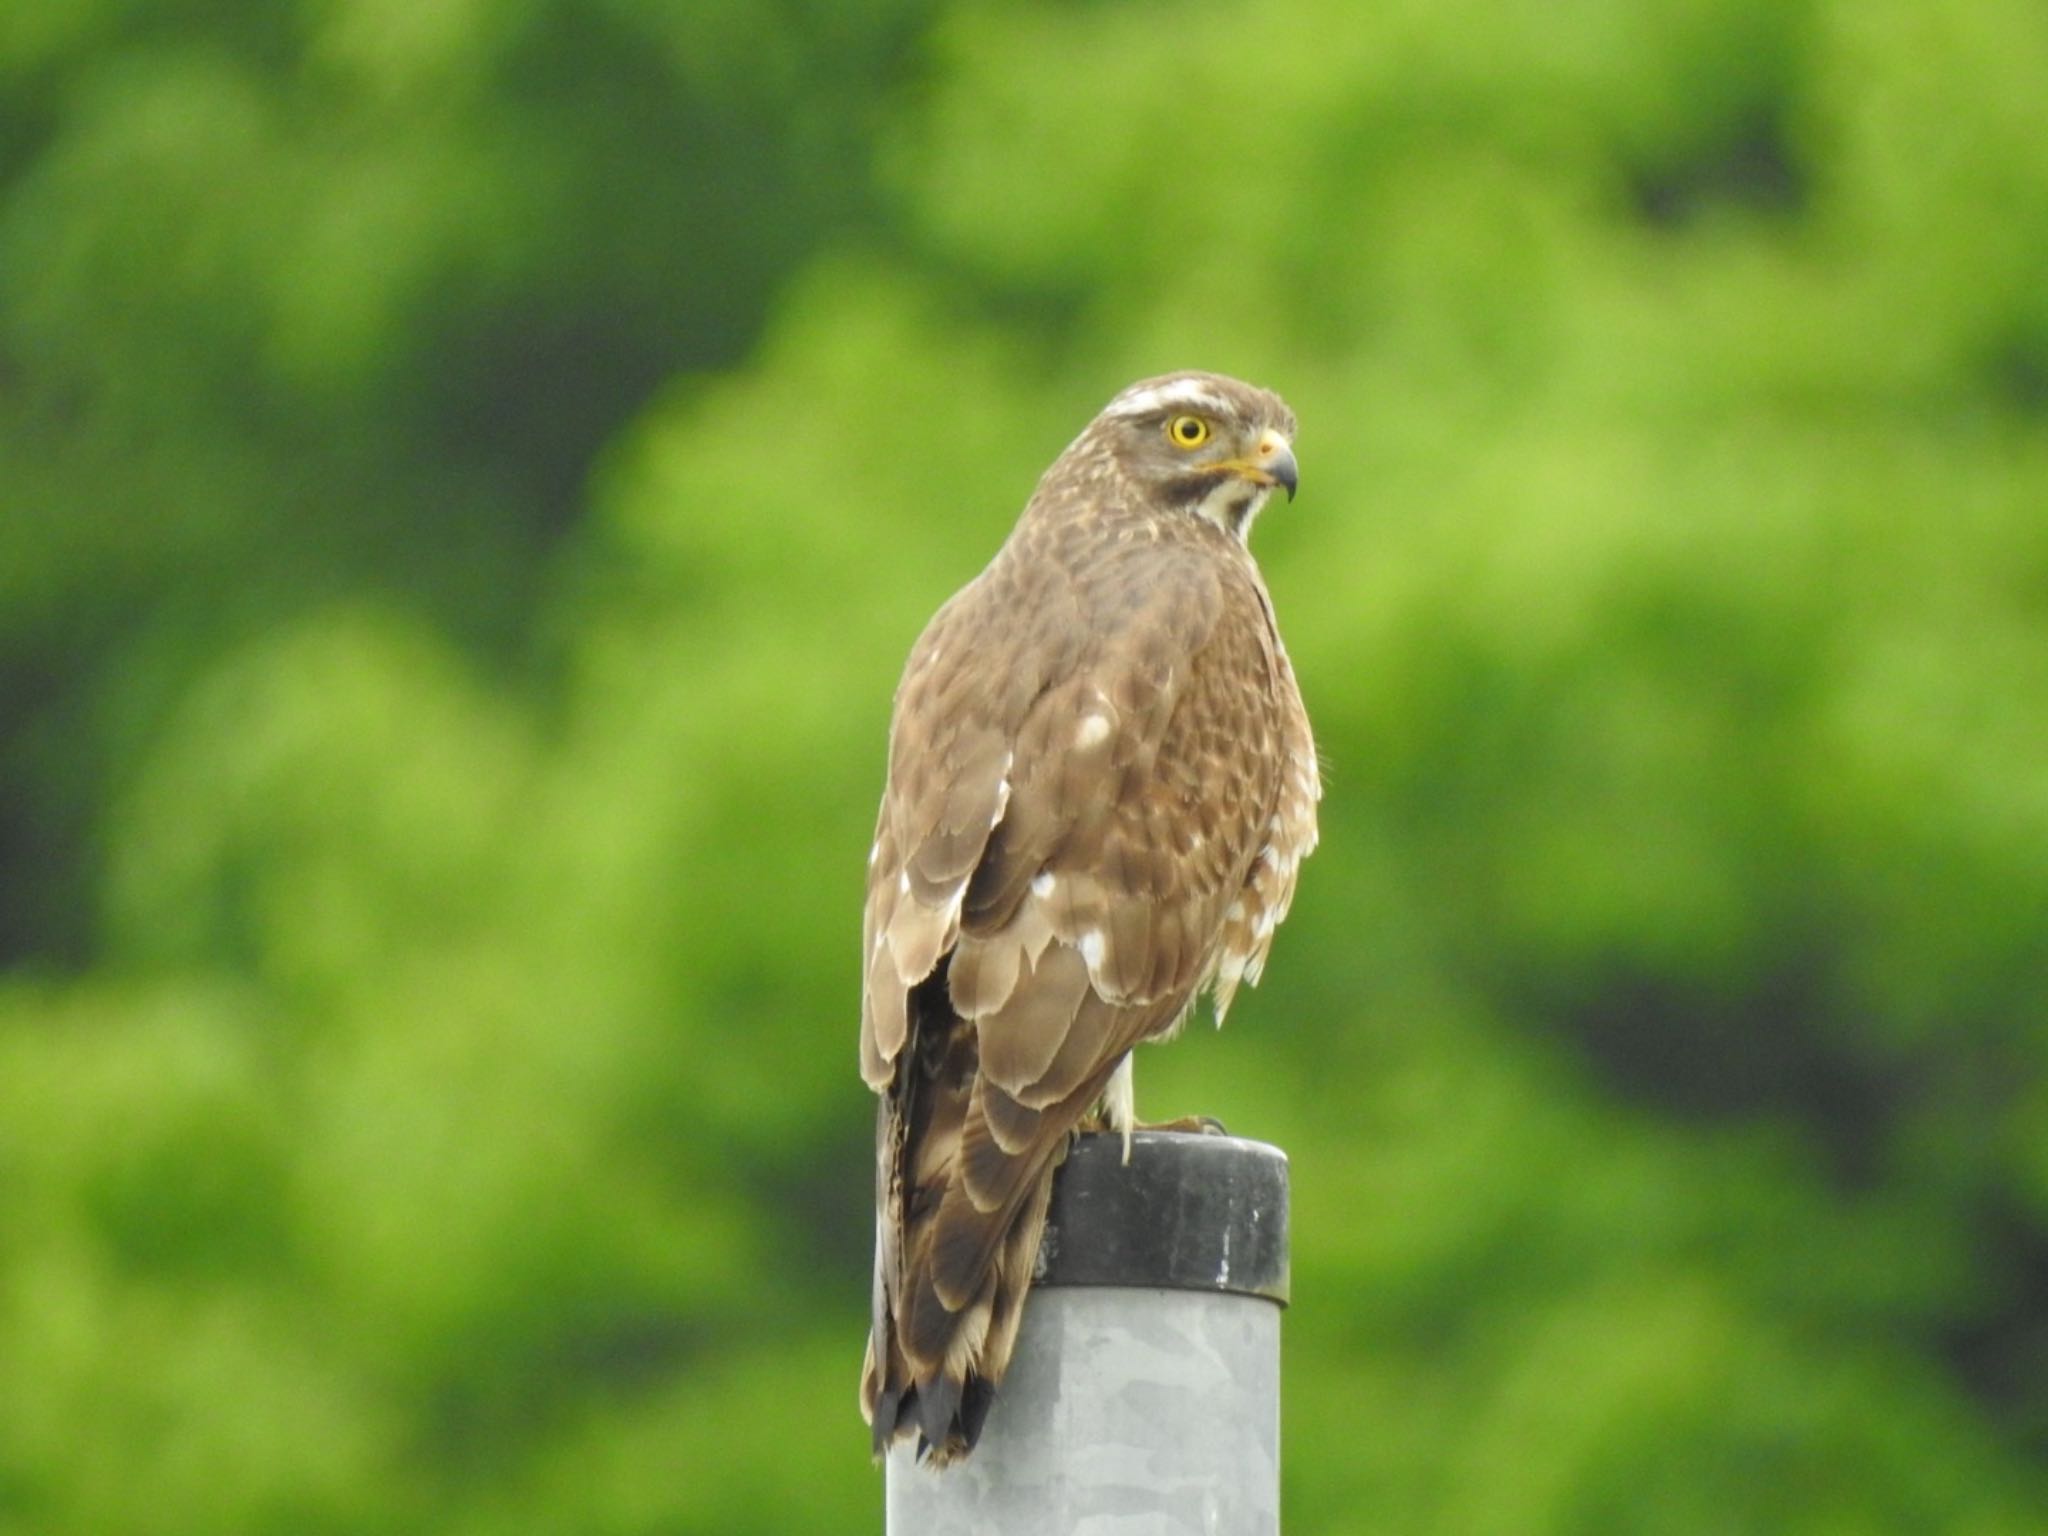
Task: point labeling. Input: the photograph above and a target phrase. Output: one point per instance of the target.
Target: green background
(470, 471)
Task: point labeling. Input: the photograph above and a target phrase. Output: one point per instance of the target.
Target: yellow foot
(1190, 1125)
(1186, 1125)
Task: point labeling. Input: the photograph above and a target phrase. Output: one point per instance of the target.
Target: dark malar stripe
(1189, 491)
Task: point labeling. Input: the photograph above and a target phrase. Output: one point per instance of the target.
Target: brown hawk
(1101, 784)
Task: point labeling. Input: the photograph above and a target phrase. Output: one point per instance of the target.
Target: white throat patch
(1233, 505)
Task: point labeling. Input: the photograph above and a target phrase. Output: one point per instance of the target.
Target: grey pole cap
(1189, 1212)
(1144, 1394)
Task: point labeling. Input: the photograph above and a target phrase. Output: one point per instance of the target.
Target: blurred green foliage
(469, 475)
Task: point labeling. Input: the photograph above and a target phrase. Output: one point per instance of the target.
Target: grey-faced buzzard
(1101, 785)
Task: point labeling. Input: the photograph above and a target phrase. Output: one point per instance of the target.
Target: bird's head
(1200, 444)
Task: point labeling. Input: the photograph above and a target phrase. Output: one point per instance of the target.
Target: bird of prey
(1101, 784)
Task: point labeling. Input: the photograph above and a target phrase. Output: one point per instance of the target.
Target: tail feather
(963, 1182)
(933, 1365)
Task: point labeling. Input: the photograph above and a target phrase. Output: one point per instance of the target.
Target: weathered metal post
(1145, 1390)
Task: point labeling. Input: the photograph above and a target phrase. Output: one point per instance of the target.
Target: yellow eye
(1187, 431)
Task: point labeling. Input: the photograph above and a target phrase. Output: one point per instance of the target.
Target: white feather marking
(874, 853)
(1229, 972)
(903, 883)
(1092, 948)
(1042, 884)
(1002, 793)
(1234, 913)
(1120, 1102)
(1190, 393)
(964, 1351)
(1093, 730)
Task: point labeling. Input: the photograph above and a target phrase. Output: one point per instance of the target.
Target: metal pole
(1144, 1394)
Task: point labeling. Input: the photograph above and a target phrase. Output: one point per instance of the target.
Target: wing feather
(1020, 1039)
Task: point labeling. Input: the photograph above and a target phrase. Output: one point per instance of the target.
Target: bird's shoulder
(1064, 596)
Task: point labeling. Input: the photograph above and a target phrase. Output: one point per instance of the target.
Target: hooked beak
(1272, 463)
(1275, 457)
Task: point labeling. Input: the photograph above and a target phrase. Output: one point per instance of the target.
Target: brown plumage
(1101, 784)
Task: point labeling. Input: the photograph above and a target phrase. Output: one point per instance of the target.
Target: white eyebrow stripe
(1176, 392)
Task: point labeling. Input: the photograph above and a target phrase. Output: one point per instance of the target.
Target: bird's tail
(944, 1399)
(963, 1181)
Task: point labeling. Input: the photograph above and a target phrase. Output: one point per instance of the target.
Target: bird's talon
(1189, 1125)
